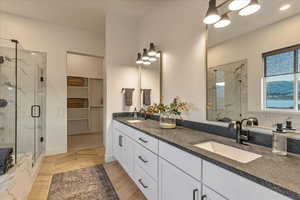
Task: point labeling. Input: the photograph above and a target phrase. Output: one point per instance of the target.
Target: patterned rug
(90, 183)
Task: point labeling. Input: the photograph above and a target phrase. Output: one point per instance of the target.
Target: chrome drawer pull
(141, 182)
(141, 139)
(142, 159)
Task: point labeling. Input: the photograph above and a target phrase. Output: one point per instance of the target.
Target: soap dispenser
(279, 141)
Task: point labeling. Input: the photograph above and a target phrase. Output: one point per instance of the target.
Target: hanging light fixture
(252, 8)
(147, 62)
(225, 21)
(212, 15)
(139, 59)
(145, 55)
(152, 51)
(157, 54)
(152, 59)
(238, 4)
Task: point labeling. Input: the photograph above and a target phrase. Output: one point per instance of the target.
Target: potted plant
(169, 113)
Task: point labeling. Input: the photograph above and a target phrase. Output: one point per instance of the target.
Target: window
(282, 81)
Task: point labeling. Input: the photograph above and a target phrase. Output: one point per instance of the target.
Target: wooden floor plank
(76, 159)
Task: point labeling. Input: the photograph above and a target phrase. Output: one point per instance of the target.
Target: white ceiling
(83, 14)
(268, 14)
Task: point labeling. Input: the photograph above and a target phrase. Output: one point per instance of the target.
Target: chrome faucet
(241, 135)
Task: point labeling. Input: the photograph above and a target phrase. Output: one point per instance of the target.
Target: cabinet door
(208, 194)
(128, 155)
(176, 185)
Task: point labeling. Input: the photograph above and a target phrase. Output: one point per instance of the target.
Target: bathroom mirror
(151, 83)
(253, 63)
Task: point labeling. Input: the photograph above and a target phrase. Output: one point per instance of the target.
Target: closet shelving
(85, 105)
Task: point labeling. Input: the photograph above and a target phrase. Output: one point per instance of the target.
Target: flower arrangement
(169, 113)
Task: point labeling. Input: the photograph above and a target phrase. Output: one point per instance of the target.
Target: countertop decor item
(169, 113)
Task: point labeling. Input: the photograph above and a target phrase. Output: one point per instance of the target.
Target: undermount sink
(228, 151)
(134, 121)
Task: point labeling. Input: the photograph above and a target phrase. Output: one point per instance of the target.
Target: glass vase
(167, 121)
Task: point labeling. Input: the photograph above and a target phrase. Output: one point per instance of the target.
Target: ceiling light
(152, 59)
(145, 55)
(285, 7)
(152, 51)
(212, 15)
(139, 59)
(238, 4)
(253, 7)
(225, 21)
(147, 62)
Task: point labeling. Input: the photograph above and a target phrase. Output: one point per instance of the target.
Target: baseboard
(109, 158)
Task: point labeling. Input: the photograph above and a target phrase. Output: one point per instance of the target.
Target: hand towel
(146, 97)
(128, 96)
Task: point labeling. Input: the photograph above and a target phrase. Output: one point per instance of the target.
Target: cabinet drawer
(146, 184)
(147, 141)
(147, 160)
(188, 163)
(130, 132)
(235, 187)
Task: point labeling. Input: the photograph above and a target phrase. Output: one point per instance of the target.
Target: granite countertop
(279, 173)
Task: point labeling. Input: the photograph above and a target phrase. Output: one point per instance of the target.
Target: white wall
(178, 30)
(251, 46)
(120, 69)
(55, 41)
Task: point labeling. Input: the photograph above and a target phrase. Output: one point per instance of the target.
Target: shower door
(31, 104)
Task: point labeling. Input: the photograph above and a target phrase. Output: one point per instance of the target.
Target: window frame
(295, 73)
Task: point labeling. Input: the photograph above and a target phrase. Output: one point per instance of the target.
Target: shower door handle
(35, 108)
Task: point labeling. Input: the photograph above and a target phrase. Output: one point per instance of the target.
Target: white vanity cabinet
(174, 184)
(124, 151)
(209, 194)
(165, 172)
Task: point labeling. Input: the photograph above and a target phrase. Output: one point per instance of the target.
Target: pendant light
(157, 54)
(225, 21)
(139, 59)
(146, 62)
(238, 4)
(145, 55)
(152, 51)
(152, 58)
(212, 15)
(252, 8)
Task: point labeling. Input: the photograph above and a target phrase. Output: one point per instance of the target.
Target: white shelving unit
(85, 105)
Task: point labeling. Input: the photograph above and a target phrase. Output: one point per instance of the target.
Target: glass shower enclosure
(22, 100)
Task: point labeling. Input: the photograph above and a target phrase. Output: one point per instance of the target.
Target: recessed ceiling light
(285, 7)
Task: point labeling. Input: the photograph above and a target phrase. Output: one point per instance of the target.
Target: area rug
(90, 183)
